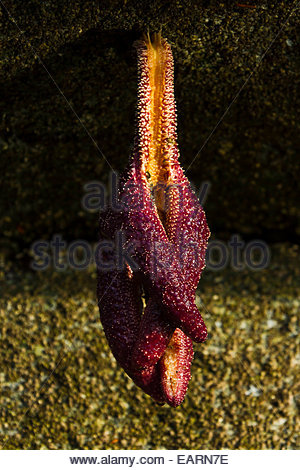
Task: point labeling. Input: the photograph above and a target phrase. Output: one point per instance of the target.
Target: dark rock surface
(68, 82)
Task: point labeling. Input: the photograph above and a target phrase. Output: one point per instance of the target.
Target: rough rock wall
(88, 71)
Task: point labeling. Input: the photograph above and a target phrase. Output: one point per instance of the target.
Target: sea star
(162, 219)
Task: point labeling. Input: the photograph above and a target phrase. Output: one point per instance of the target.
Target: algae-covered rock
(61, 388)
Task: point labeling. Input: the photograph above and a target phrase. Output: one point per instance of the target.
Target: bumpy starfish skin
(163, 221)
(153, 336)
(182, 220)
(157, 259)
(120, 313)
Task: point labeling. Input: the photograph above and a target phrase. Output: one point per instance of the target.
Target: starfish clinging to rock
(162, 219)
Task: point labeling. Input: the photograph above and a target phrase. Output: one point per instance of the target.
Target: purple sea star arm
(190, 240)
(157, 259)
(120, 313)
(153, 336)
